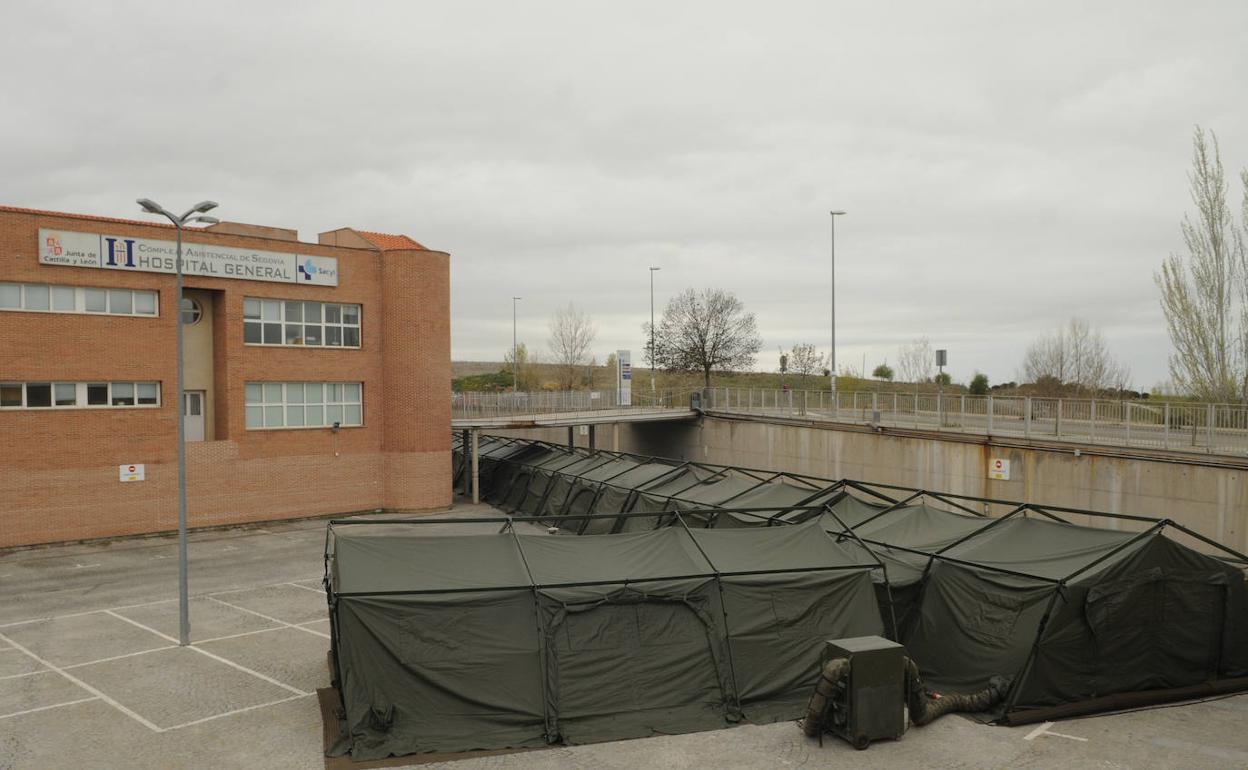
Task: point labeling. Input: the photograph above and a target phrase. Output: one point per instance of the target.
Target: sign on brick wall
(115, 252)
(132, 472)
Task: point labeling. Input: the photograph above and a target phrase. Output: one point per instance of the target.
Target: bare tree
(916, 361)
(1075, 357)
(571, 334)
(1198, 293)
(805, 360)
(525, 367)
(705, 331)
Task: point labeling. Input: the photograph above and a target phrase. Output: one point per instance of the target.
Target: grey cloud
(1005, 165)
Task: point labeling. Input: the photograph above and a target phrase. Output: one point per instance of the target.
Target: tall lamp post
(653, 394)
(194, 214)
(832, 362)
(515, 364)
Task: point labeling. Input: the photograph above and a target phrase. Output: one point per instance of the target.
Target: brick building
(283, 340)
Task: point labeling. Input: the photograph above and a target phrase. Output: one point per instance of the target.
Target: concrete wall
(1209, 496)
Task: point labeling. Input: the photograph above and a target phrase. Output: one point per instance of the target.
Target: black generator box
(872, 705)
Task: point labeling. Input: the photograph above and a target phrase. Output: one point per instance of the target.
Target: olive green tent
(903, 537)
(1080, 618)
(1075, 614)
(451, 643)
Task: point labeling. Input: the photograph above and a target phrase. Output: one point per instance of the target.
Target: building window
(192, 311)
(304, 404)
(44, 298)
(78, 395)
(294, 322)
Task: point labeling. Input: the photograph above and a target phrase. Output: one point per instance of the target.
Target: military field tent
(786, 591)
(1077, 614)
(451, 643)
(903, 537)
(568, 488)
(1080, 618)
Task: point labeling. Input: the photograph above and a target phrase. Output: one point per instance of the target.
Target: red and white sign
(132, 472)
(999, 469)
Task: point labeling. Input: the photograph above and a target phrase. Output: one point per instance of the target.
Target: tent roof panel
(660, 553)
(799, 547)
(718, 491)
(853, 511)
(778, 494)
(921, 527)
(369, 563)
(1040, 547)
(609, 469)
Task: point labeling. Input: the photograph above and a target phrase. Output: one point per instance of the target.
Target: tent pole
(723, 608)
(542, 646)
(985, 528)
(940, 496)
(1016, 686)
(888, 586)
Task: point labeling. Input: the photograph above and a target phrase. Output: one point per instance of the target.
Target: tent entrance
(631, 667)
(1155, 630)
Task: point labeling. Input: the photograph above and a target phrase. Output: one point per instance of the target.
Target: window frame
(286, 316)
(80, 395)
(80, 300)
(285, 404)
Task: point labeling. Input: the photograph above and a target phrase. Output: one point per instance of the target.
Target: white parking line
(28, 673)
(120, 657)
(241, 634)
(237, 711)
(320, 591)
(128, 712)
(46, 708)
(84, 613)
(1043, 729)
(215, 657)
(269, 618)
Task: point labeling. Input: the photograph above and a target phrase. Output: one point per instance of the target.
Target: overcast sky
(1004, 165)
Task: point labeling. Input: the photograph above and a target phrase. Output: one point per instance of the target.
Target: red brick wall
(58, 468)
(416, 333)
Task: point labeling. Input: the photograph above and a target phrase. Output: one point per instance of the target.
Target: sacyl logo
(111, 254)
(307, 270)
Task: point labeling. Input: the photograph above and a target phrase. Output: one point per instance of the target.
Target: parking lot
(91, 675)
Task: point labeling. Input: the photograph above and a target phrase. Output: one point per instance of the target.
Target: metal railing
(1192, 427)
(483, 406)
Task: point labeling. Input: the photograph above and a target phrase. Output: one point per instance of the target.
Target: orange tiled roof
(387, 242)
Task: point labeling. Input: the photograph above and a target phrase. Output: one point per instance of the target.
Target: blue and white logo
(319, 270)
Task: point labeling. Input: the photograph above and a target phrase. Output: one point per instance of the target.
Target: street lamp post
(653, 394)
(515, 364)
(194, 214)
(832, 361)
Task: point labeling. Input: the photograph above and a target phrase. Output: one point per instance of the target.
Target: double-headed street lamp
(515, 364)
(832, 362)
(653, 396)
(195, 214)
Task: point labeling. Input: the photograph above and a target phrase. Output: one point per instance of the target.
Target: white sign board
(115, 252)
(132, 472)
(624, 377)
(999, 469)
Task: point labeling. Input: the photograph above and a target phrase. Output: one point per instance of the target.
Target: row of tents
(697, 595)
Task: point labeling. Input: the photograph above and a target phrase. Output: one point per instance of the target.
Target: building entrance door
(193, 415)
